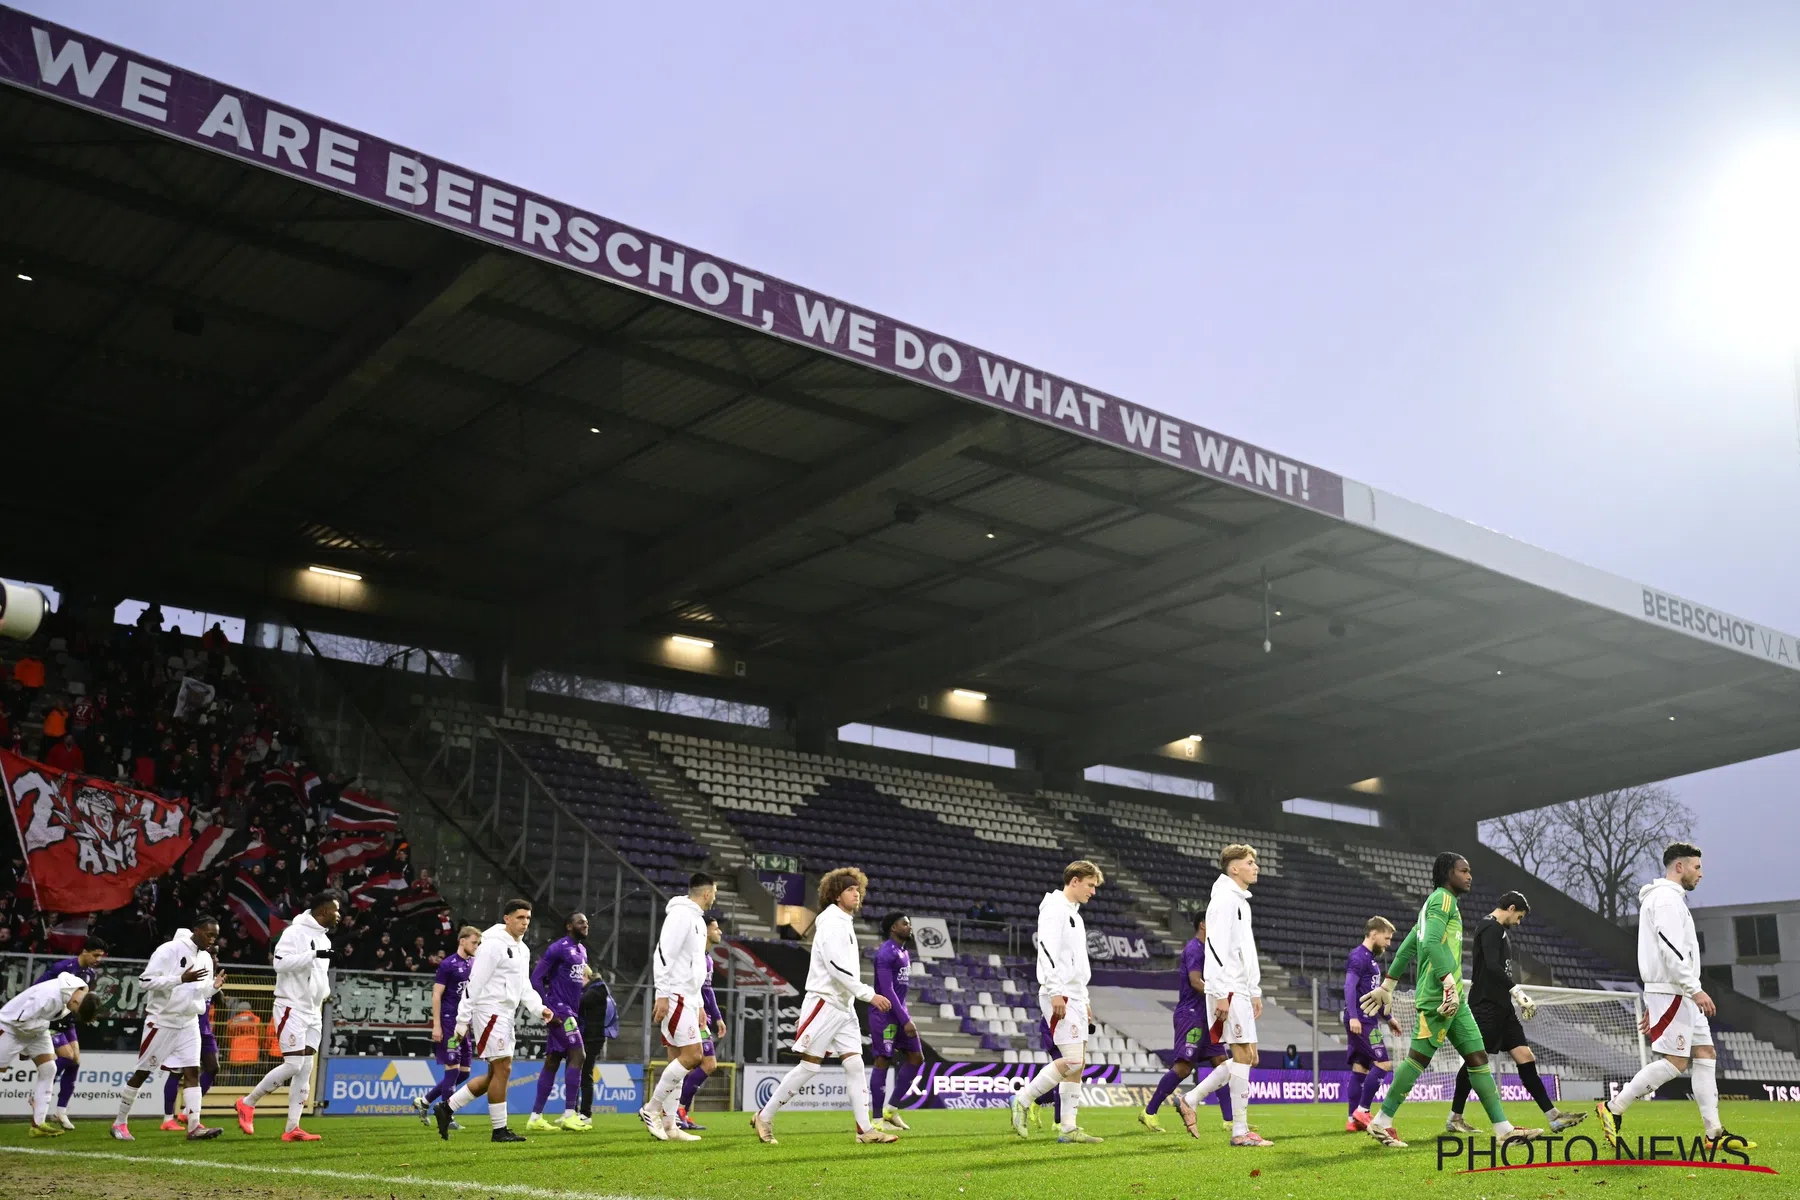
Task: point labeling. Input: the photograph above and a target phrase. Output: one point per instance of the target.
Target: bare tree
(1531, 839)
(1612, 842)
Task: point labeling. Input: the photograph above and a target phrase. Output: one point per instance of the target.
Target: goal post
(1578, 1034)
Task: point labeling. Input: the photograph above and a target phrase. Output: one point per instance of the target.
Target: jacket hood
(309, 921)
(498, 929)
(1059, 900)
(1653, 885)
(1228, 887)
(680, 902)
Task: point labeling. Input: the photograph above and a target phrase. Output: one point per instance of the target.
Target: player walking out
(893, 1031)
(828, 1010)
(451, 1052)
(1194, 1043)
(302, 985)
(1063, 974)
(681, 968)
(63, 1038)
(709, 1045)
(25, 1023)
(1493, 990)
(499, 978)
(1436, 943)
(179, 983)
(1675, 1007)
(1233, 987)
(559, 978)
(1369, 1063)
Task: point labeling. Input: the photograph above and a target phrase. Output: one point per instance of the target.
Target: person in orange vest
(242, 1035)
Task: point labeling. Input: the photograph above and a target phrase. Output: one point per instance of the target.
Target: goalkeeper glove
(1527, 1006)
(1379, 1000)
(1452, 996)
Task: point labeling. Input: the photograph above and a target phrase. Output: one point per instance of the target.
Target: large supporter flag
(358, 812)
(218, 846)
(88, 842)
(247, 902)
(349, 851)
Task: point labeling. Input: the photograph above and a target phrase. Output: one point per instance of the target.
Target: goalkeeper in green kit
(1436, 943)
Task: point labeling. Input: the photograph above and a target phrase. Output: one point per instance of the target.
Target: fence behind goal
(1579, 1035)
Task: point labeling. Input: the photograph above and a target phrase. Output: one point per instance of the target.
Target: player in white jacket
(179, 982)
(681, 968)
(302, 985)
(1676, 1008)
(1233, 987)
(25, 1033)
(499, 980)
(1063, 974)
(828, 1023)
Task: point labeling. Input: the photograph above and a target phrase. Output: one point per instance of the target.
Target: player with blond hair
(1063, 974)
(1233, 987)
(828, 1022)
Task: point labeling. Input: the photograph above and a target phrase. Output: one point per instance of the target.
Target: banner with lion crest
(88, 842)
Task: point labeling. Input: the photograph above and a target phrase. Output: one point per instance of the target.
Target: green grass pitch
(964, 1155)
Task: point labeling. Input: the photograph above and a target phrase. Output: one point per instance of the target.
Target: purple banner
(786, 887)
(991, 1085)
(88, 73)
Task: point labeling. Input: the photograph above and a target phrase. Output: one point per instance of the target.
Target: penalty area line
(453, 1185)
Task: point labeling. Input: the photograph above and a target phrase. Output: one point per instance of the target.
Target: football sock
(1048, 1078)
(461, 1097)
(1405, 1075)
(497, 1114)
(66, 1071)
(206, 1079)
(1168, 1083)
(1071, 1100)
(298, 1091)
(1353, 1093)
(878, 1090)
(546, 1083)
(279, 1074)
(1534, 1083)
(1214, 1080)
(1646, 1081)
(1240, 1098)
(1372, 1087)
(127, 1097)
(171, 1089)
(904, 1074)
(668, 1088)
(1488, 1092)
(856, 1078)
(1706, 1092)
(46, 1088)
(1459, 1099)
(191, 1098)
(691, 1085)
(1225, 1109)
(572, 1075)
(791, 1083)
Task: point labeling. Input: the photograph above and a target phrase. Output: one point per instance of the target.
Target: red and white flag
(349, 851)
(88, 843)
(359, 812)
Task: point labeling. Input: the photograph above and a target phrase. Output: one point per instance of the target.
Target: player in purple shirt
(893, 1031)
(1193, 1038)
(709, 1045)
(451, 1051)
(1370, 1061)
(63, 1038)
(559, 977)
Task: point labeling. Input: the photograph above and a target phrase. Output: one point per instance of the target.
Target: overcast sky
(1462, 252)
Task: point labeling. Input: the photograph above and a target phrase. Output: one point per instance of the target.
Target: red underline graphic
(1755, 1168)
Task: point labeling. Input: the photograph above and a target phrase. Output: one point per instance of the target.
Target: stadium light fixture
(1498, 671)
(992, 534)
(352, 576)
(22, 277)
(697, 643)
(593, 429)
(968, 694)
(1195, 737)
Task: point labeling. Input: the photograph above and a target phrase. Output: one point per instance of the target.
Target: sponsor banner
(103, 1073)
(88, 73)
(363, 1087)
(1112, 947)
(932, 936)
(786, 886)
(826, 1092)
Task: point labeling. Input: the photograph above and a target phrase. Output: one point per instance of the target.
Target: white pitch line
(455, 1185)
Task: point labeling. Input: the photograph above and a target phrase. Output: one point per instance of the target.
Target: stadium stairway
(1152, 909)
(670, 788)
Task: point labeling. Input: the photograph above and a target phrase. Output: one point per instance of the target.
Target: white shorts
(1676, 1025)
(1240, 1023)
(1072, 1029)
(825, 1029)
(682, 1026)
(296, 1029)
(171, 1047)
(31, 1045)
(491, 1033)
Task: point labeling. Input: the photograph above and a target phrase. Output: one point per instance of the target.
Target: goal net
(1577, 1034)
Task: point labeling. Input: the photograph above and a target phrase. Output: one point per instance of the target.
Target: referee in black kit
(1492, 993)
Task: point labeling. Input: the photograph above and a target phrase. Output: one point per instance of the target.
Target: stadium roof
(242, 340)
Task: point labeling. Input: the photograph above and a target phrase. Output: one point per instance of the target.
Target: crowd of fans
(164, 712)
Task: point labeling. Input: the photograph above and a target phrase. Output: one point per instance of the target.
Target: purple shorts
(65, 1037)
(1046, 1043)
(887, 1040)
(209, 1045)
(708, 1049)
(1361, 1050)
(1193, 1040)
(562, 1035)
(450, 1059)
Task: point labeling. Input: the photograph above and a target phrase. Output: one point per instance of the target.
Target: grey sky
(1448, 250)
